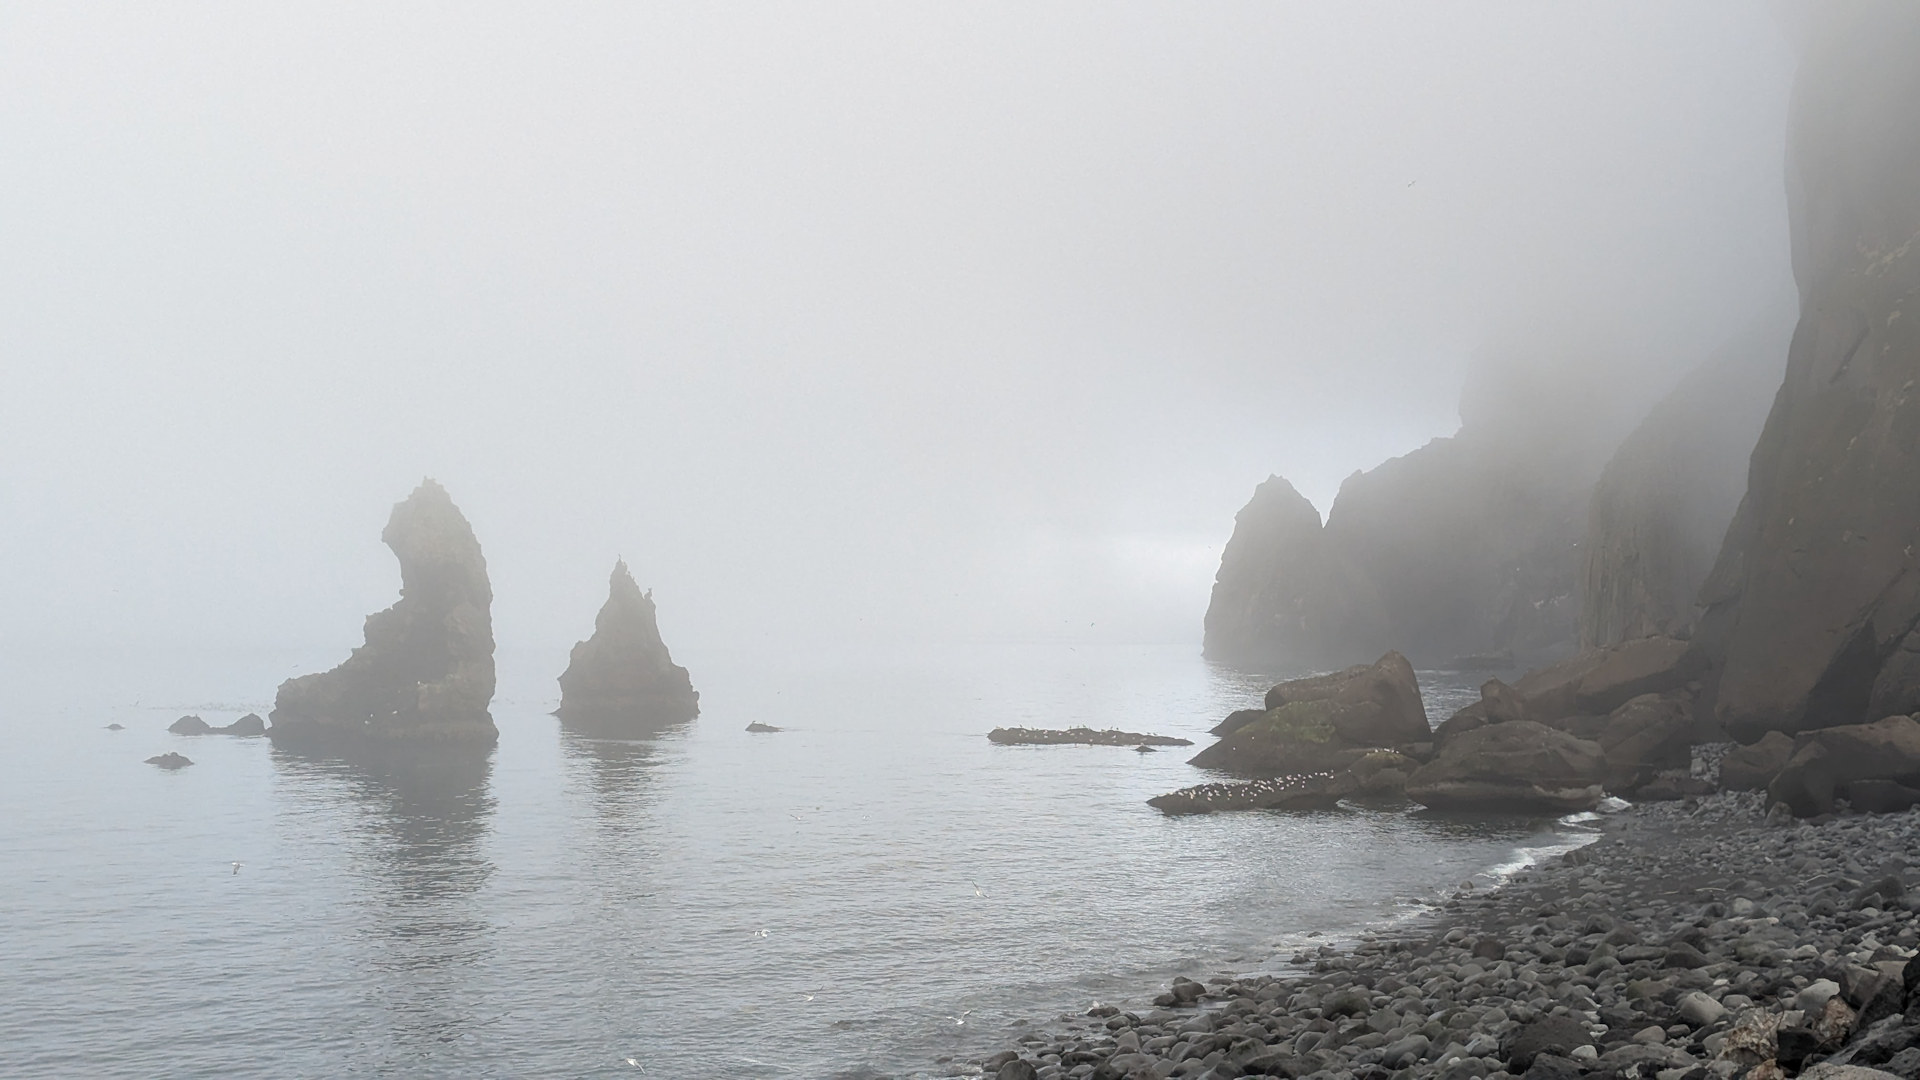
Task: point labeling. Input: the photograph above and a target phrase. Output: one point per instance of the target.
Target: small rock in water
(761, 728)
(170, 760)
(190, 725)
(1143, 748)
(116, 727)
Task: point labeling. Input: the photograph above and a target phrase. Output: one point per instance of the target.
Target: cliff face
(1813, 602)
(1661, 507)
(425, 673)
(622, 680)
(1468, 545)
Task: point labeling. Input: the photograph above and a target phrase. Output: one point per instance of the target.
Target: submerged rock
(425, 674)
(170, 760)
(1516, 767)
(1325, 723)
(1079, 736)
(622, 680)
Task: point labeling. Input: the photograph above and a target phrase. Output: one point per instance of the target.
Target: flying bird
(237, 866)
(636, 1064)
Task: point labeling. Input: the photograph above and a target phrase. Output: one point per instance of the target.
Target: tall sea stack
(425, 674)
(622, 681)
(1814, 601)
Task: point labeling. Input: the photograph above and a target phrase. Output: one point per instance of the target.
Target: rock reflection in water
(418, 864)
(619, 772)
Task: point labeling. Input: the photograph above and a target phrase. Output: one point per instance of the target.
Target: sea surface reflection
(866, 891)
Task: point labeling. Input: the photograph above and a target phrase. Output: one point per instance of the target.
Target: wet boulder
(1517, 767)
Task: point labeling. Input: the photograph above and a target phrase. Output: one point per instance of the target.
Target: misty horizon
(835, 324)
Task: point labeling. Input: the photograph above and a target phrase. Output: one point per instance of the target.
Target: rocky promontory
(425, 673)
(622, 681)
(1469, 545)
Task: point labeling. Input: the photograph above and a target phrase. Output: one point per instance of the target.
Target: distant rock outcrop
(1079, 736)
(622, 681)
(170, 761)
(1466, 546)
(250, 724)
(1814, 603)
(425, 674)
(1662, 505)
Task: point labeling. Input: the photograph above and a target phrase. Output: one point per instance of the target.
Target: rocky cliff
(1662, 505)
(1814, 599)
(1468, 545)
(425, 674)
(622, 680)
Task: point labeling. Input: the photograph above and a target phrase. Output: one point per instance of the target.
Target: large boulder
(1753, 767)
(1498, 704)
(622, 681)
(1813, 604)
(1826, 760)
(1597, 681)
(1324, 723)
(1649, 734)
(425, 674)
(1516, 767)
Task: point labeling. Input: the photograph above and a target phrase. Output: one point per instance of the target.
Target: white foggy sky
(837, 321)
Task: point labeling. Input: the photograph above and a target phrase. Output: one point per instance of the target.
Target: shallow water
(870, 890)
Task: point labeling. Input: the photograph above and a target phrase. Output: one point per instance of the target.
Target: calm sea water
(863, 894)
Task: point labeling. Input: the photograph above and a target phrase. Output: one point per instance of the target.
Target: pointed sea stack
(425, 675)
(622, 682)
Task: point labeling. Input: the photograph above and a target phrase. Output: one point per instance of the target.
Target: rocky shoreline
(1696, 940)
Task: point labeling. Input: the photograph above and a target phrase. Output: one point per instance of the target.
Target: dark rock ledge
(1020, 736)
(1696, 940)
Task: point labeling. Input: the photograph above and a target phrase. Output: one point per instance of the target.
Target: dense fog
(851, 323)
